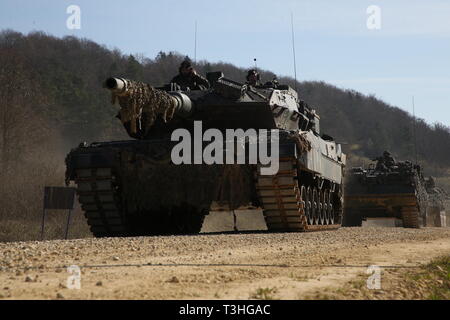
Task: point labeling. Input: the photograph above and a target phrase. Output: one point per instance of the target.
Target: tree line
(54, 88)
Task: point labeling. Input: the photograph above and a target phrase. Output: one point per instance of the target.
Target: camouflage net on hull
(141, 104)
(151, 181)
(165, 185)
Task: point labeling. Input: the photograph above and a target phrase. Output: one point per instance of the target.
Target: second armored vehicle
(388, 189)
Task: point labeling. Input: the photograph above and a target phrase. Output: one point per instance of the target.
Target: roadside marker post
(58, 198)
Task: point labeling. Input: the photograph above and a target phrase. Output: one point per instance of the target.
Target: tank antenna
(414, 131)
(293, 51)
(195, 43)
(256, 67)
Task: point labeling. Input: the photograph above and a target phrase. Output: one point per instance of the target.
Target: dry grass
(22, 229)
(264, 294)
(21, 202)
(429, 282)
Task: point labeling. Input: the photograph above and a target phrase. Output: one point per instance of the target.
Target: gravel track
(210, 266)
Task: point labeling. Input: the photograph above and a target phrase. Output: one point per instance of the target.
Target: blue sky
(409, 55)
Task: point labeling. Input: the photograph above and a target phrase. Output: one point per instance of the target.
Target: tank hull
(130, 188)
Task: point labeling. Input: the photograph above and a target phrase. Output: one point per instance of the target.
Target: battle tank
(387, 189)
(133, 187)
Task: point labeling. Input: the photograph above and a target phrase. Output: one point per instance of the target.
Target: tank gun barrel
(117, 85)
(183, 104)
(120, 87)
(141, 104)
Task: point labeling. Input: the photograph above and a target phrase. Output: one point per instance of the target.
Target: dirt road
(212, 266)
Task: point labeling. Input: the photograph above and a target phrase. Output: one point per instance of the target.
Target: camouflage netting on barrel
(178, 185)
(141, 104)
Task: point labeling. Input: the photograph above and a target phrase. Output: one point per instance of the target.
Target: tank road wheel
(302, 197)
(290, 202)
(302, 203)
(325, 206)
(330, 209)
(319, 207)
(339, 211)
(308, 209)
(315, 206)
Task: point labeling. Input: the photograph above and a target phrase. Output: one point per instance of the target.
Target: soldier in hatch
(385, 162)
(388, 159)
(189, 78)
(253, 78)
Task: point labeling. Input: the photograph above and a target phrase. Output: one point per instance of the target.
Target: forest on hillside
(51, 98)
(63, 78)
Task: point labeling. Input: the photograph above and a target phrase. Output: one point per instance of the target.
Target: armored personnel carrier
(135, 187)
(387, 189)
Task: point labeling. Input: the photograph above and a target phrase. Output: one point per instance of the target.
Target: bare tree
(21, 128)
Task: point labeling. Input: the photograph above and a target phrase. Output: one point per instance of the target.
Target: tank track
(407, 209)
(287, 205)
(97, 194)
(290, 206)
(410, 217)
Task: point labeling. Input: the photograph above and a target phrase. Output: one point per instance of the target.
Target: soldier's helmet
(251, 73)
(386, 153)
(186, 64)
